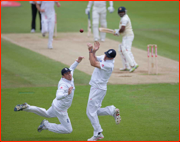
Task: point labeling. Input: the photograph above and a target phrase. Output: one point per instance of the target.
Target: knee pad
(123, 49)
(104, 24)
(95, 25)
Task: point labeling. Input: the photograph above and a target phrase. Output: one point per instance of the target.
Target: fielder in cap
(60, 105)
(125, 29)
(99, 15)
(104, 65)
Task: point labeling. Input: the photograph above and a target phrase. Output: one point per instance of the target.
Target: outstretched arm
(92, 57)
(74, 65)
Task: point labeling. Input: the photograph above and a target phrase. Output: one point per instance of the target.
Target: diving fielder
(125, 29)
(99, 13)
(47, 18)
(60, 105)
(103, 69)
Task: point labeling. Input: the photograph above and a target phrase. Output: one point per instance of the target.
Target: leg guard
(124, 61)
(103, 24)
(95, 16)
(129, 41)
(125, 52)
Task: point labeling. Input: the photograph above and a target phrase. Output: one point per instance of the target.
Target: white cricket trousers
(125, 47)
(65, 127)
(94, 109)
(48, 23)
(99, 14)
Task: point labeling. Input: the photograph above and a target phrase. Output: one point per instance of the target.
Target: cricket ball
(81, 30)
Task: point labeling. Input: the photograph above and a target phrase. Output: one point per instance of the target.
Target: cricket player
(103, 69)
(99, 13)
(125, 29)
(60, 105)
(47, 18)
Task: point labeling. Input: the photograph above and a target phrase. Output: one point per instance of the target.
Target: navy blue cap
(111, 53)
(121, 9)
(65, 70)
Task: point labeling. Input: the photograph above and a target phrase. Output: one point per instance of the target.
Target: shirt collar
(65, 80)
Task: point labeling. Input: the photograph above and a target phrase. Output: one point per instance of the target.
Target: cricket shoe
(42, 126)
(132, 69)
(117, 116)
(20, 107)
(95, 138)
(102, 40)
(136, 66)
(50, 47)
(33, 31)
(124, 69)
(44, 34)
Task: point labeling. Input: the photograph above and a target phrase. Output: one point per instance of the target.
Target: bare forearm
(122, 29)
(38, 7)
(92, 58)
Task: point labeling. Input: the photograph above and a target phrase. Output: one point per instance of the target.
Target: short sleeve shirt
(125, 21)
(101, 76)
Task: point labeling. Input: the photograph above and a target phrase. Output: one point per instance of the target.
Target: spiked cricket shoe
(95, 138)
(136, 66)
(132, 69)
(42, 126)
(20, 107)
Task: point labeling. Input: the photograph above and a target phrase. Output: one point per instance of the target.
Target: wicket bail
(151, 68)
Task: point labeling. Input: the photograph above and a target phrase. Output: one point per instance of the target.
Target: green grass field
(150, 112)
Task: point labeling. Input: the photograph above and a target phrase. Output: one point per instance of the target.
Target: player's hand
(116, 32)
(96, 46)
(79, 59)
(70, 90)
(42, 10)
(87, 10)
(90, 47)
(111, 9)
(58, 4)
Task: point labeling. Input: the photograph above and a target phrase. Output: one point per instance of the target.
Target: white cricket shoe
(95, 138)
(44, 34)
(50, 47)
(33, 31)
(96, 39)
(42, 126)
(132, 69)
(117, 116)
(102, 40)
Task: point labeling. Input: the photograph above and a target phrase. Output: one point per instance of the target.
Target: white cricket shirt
(101, 76)
(125, 21)
(63, 101)
(48, 6)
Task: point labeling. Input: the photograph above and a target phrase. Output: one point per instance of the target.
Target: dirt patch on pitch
(68, 46)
